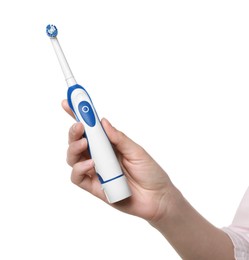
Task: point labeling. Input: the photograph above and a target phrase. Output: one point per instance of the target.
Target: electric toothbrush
(110, 174)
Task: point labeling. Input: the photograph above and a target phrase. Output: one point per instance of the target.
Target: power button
(85, 109)
(87, 113)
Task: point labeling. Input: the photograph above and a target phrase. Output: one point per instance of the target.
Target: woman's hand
(150, 185)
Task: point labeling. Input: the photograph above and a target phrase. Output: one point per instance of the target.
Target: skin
(154, 197)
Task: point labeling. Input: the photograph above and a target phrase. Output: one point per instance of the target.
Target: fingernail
(74, 126)
(107, 121)
(91, 162)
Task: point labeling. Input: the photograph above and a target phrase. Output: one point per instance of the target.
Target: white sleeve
(238, 231)
(240, 242)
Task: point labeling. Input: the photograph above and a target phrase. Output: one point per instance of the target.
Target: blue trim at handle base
(112, 179)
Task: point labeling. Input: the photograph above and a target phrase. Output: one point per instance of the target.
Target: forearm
(191, 235)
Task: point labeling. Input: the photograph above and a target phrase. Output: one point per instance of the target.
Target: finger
(76, 132)
(66, 107)
(77, 151)
(81, 170)
(121, 142)
(84, 176)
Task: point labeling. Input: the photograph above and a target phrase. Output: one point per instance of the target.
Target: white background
(172, 75)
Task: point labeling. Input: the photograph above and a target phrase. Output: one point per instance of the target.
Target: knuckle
(72, 178)
(68, 158)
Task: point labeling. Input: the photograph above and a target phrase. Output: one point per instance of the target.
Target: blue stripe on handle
(112, 179)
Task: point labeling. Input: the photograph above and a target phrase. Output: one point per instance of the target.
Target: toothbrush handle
(107, 167)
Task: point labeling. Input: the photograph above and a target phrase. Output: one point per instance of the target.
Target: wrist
(168, 205)
(191, 235)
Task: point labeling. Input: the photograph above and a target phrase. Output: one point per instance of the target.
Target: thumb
(123, 144)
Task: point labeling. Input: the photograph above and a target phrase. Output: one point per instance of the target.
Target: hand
(150, 185)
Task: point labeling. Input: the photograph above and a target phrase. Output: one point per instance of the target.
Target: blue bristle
(51, 30)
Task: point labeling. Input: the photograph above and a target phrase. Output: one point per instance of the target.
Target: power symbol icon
(85, 109)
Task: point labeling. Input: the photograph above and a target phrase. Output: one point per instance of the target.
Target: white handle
(106, 164)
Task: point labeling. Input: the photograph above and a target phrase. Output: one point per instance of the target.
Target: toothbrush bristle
(51, 30)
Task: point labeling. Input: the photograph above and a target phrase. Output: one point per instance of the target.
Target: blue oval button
(86, 112)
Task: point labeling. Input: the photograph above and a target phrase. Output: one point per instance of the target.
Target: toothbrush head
(51, 31)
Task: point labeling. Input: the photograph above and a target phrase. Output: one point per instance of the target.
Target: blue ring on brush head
(51, 31)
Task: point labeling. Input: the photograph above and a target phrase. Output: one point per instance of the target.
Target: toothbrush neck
(71, 81)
